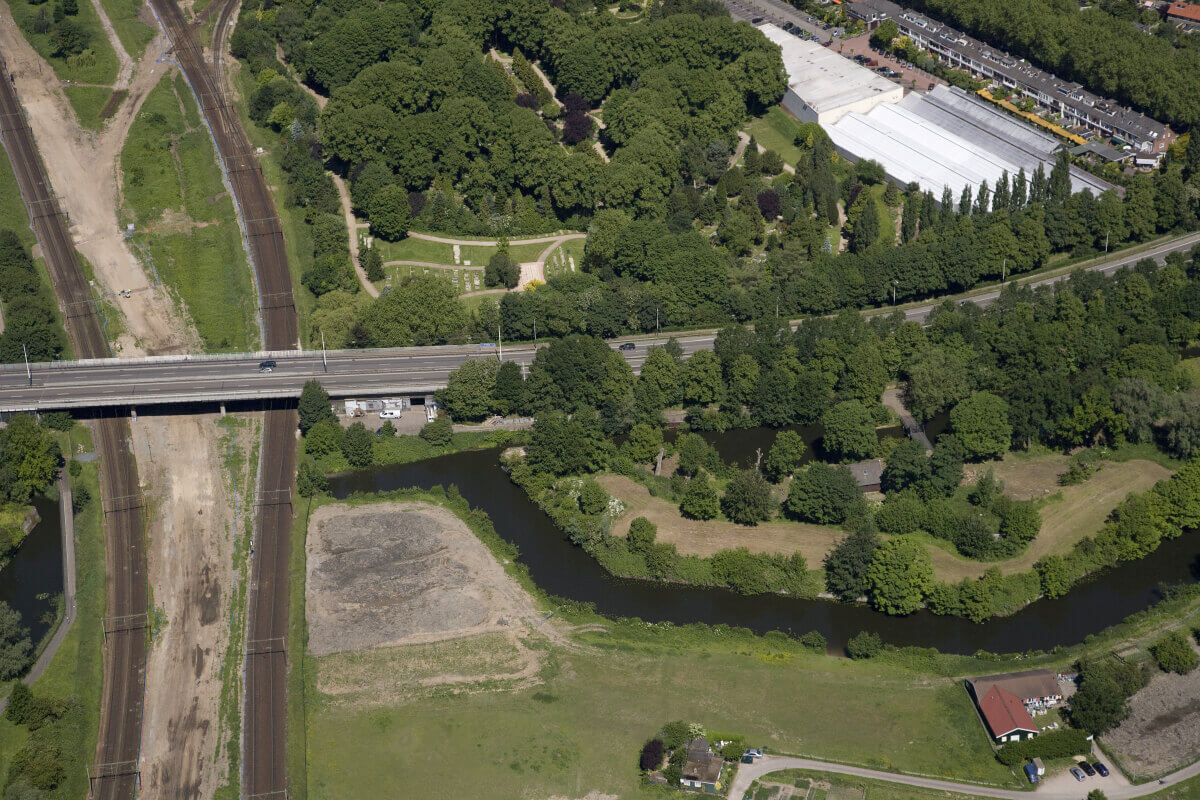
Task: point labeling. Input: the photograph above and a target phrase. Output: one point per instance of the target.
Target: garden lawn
(100, 70)
(187, 227)
(582, 728)
(776, 130)
(133, 33)
(412, 249)
(88, 102)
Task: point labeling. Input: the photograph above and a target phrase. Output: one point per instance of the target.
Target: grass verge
(187, 228)
(88, 102)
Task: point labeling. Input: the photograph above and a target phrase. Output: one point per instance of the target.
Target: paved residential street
(1061, 787)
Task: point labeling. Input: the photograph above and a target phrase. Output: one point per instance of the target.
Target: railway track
(114, 774)
(265, 714)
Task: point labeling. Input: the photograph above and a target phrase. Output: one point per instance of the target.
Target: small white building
(824, 86)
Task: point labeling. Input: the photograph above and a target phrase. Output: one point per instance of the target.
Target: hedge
(1056, 744)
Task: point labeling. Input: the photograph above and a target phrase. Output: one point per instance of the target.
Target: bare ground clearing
(402, 573)
(387, 582)
(190, 560)
(1162, 733)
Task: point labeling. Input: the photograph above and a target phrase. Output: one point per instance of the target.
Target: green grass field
(133, 33)
(77, 666)
(1192, 365)
(88, 102)
(100, 70)
(186, 223)
(582, 728)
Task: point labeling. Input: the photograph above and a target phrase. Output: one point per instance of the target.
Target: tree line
(31, 325)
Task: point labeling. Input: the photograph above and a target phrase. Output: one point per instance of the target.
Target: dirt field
(1163, 732)
(401, 573)
(387, 581)
(190, 564)
(1080, 512)
(78, 158)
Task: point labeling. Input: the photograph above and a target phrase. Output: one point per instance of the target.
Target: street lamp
(895, 283)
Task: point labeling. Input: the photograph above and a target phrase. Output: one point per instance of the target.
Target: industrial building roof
(821, 77)
(948, 139)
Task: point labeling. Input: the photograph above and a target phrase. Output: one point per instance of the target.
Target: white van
(390, 413)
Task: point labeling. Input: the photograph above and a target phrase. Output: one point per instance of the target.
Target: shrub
(592, 497)
(900, 513)
(1173, 653)
(814, 641)
(747, 499)
(80, 497)
(700, 499)
(1055, 744)
(19, 700)
(652, 755)
(439, 432)
(864, 645)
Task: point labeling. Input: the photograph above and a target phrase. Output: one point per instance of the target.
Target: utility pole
(28, 372)
(1106, 242)
(499, 343)
(657, 329)
(1004, 269)
(324, 362)
(894, 284)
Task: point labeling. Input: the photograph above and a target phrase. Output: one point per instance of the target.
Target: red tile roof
(1188, 11)
(1005, 713)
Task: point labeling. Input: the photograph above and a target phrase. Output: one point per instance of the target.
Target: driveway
(1060, 787)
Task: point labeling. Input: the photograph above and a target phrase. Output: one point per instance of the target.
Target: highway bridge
(160, 380)
(166, 380)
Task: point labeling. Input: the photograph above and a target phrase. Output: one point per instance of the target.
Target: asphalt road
(418, 370)
(113, 774)
(777, 12)
(1115, 787)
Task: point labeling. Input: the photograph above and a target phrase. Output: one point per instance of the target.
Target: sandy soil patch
(402, 573)
(191, 571)
(1163, 732)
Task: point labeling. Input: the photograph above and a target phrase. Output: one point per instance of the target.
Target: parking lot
(908, 76)
(780, 14)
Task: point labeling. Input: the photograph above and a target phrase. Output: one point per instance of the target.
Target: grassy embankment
(97, 72)
(77, 667)
(240, 443)
(404, 449)
(466, 276)
(185, 219)
(1068, 514)
(297, 235)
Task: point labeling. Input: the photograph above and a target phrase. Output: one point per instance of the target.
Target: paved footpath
(1061, 787)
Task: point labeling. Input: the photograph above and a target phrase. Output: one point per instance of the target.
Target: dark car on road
(267, 366)
(1087, 768)
(1100, 768)
(627, 346)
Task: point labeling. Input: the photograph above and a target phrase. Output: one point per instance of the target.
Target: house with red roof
(1005, 715)
(1185, 15)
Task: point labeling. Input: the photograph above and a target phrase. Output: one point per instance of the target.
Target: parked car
(627, 346)
(756, 20)
(1087, 768)
(267, 366)
(1103, 770)
(1078, 773)
(1031, 773)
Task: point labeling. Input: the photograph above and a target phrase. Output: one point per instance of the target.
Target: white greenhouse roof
(822, 78)
(942, 139)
